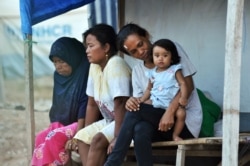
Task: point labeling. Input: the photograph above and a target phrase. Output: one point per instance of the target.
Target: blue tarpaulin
(35, 11)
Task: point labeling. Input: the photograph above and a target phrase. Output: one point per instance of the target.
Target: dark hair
(104, 34)
(127, 30)
(169, 46)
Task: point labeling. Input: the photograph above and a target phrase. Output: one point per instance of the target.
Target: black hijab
(69, 92)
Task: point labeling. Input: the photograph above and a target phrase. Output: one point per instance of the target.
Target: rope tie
(30, 42)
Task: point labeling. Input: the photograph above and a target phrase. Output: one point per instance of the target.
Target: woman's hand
(71, 145)
(166, 122)
(133, 104)
(111, 145)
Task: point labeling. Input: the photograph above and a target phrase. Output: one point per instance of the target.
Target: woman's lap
(151, 134)
(153, 115)
(142, 127)
(149, 114)
(87, 133)
(50, 144)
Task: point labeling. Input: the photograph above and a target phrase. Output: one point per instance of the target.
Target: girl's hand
(133, 104)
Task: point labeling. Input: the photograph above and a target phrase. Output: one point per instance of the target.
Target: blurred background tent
(12, 51)
(12, 61)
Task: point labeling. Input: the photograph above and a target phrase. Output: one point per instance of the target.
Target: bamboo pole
(231, 103)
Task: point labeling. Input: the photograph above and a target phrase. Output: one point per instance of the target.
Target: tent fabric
(104, 12)
(35, 11)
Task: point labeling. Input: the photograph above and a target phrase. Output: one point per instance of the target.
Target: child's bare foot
(177, 138)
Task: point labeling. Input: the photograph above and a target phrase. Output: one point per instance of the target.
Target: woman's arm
(167, 120)
(120, 111)
(92, 112)
(72, 143)
(80, 124)
(133, 103)
(119, 107)
(83, 102)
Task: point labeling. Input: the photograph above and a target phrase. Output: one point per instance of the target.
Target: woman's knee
(142, 131)
(99, 141)
(56, 140)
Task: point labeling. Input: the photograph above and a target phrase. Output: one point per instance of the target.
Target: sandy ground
(13, 142)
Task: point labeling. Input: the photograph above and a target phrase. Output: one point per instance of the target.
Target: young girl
(165, 80)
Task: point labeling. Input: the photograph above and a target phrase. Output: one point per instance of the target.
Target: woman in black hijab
(67, 113)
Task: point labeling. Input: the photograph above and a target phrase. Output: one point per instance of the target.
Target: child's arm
(183, 88)
(146, 94)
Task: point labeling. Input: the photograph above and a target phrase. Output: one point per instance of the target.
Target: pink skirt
(50, 145)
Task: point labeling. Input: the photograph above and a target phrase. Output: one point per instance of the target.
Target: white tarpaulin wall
(200, 27)
(12, 52)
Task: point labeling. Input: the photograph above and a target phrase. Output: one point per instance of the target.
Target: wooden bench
(198, 147)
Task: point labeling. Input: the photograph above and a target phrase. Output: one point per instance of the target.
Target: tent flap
(35, 11)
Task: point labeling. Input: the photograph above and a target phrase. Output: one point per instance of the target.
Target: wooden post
(231, 103)
(121, 13)
(29, 94)
(180, 155)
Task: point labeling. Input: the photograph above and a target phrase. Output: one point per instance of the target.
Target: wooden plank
(156, 152)
(205, 153)
(210, 140)
(243, 137)
(135, 164)
(245, 159)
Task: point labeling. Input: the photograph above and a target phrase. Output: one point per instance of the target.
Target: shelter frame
(233, 53)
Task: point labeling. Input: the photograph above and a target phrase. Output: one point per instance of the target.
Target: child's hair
(169, 46)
